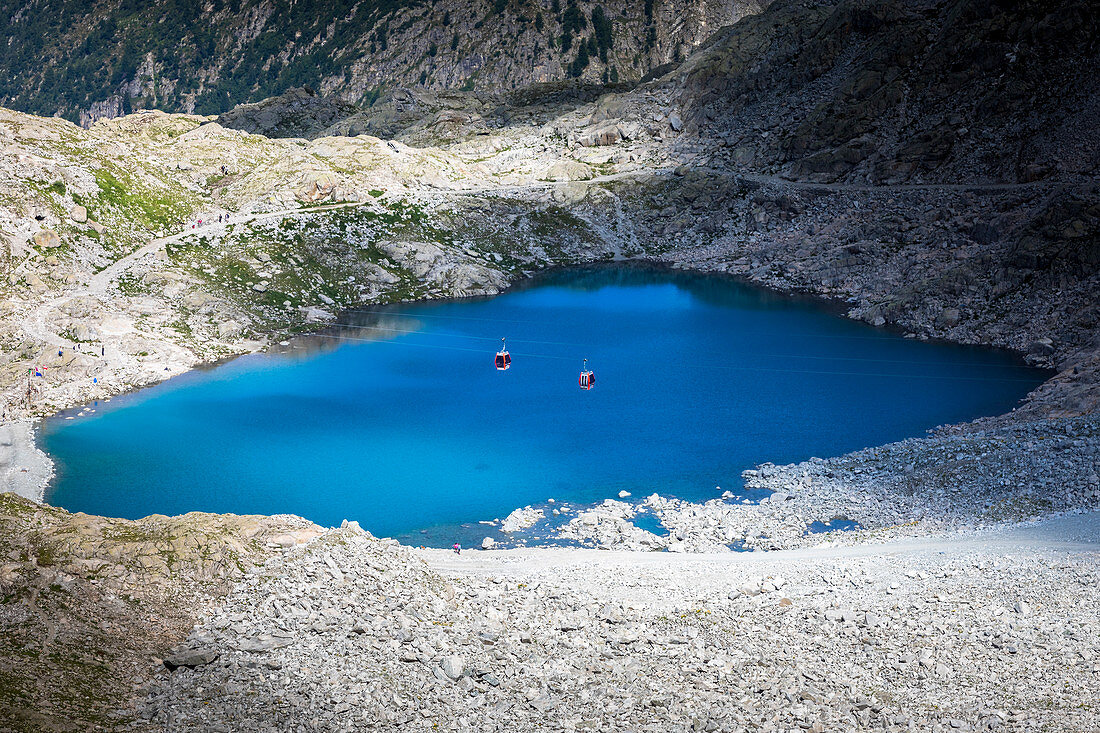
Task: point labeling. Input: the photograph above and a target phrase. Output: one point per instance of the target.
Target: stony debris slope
(355, 633)
(86, 602)
(937, 90)
(957, 480)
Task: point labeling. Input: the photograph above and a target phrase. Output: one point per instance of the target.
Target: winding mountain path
(34, 323)
(773, 180)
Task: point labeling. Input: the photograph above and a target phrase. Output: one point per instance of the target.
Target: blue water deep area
(398, 418)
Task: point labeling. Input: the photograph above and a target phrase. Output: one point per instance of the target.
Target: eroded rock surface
(88, 605)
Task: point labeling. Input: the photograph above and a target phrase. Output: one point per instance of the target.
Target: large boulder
(191, 658)
(316, 187)
(47, 239)
(84, 332)
(949, 317)
(567, 170)
(229, 329)
(606, 134)
(79, 214)
(197, 299)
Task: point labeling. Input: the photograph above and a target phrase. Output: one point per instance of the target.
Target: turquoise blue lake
(398, 418)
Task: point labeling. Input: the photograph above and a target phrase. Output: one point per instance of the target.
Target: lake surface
(398, 419)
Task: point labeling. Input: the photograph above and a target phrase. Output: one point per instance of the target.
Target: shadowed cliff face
(88, 61)
(939, 90)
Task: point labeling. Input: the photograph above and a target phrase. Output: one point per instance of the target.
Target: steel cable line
(395, 342)
(568, 343)
(514, 320)
(454, 335)
(730, 367)
(741, 333)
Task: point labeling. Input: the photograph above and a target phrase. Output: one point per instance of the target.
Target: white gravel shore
(986, 630)
(24, 469)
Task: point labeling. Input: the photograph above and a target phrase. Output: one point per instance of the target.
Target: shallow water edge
(698, 284)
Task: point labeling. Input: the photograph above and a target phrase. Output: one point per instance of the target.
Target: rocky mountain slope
(87, 61)
(472, 189)
(86, 603)
(929, 91)
(929, 165)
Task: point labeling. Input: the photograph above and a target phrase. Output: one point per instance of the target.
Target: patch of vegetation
(47, 555)
(130, 284)
(121, 197)
(13, 505)
(67, 54)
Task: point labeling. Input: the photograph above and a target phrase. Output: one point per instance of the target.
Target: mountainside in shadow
(885, 92)
(87, 60)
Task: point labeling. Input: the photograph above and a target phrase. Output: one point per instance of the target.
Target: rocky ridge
(87, 602)
(91, 62)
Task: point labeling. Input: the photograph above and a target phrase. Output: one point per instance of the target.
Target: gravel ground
(24, 469)
(986, 630)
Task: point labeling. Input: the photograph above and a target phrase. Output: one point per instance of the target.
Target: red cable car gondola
(504, 359)
(587, 379)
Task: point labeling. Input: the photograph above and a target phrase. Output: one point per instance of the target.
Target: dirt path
(773, 180)
(35, 322)
(1070, 533)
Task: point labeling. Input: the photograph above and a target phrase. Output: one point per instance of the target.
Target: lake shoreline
(25, 469)
(35, 481)
(754, 323)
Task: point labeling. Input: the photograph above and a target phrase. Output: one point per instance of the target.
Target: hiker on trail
(458, 549)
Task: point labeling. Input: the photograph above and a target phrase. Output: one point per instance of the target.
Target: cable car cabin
(587, 379)
(504, 359)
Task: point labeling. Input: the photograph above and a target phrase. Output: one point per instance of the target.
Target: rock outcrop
(88, 603)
